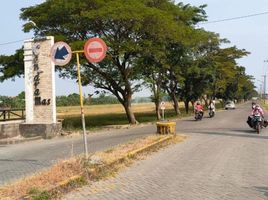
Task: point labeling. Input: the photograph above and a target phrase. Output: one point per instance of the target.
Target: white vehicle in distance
(229, 105)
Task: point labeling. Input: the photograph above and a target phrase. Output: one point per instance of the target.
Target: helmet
(197, 103)
(257, 106)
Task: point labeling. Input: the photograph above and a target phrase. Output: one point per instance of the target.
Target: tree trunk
(206, 100)
(186, 104)
(176, 104)
(192, 102)
(130, 115)
(157, 110)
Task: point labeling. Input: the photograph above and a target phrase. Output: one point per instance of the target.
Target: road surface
(221, 160)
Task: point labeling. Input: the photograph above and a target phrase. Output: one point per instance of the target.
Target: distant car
(229, 105)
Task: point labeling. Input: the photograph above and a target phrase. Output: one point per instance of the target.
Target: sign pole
(95, 51)
(81, 104)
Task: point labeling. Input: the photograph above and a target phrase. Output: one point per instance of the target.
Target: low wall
(16, 128)
(10, 129)
(45, 130)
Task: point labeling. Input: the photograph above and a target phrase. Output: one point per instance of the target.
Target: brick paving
(216, 163)
(203, 167)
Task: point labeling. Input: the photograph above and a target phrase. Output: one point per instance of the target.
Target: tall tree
(167, 56)
(128, 27)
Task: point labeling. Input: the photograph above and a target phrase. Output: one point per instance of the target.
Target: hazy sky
(248, 33)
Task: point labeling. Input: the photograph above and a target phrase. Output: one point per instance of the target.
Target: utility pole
(264, 84)
(264, 87)
(260, 89)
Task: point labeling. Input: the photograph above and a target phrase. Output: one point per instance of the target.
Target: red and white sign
(95, 50)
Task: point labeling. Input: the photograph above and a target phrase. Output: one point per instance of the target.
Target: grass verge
(73, 122)
(75, 172)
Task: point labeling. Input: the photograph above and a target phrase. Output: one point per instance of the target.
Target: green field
(98, 116)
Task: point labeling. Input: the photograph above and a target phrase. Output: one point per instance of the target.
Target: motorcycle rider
(253, 105)
(211, 106)
(256, 109)
(199, 108)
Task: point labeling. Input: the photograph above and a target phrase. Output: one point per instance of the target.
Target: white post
(39, 81)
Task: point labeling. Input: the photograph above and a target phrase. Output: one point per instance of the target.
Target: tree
(166, 59)
(127, 27)
(11, 66)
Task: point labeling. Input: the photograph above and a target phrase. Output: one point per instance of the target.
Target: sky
(250, 34)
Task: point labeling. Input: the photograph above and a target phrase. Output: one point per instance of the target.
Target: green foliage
(151, 41)
(11, 66)
(36, 194)
(74, 100)
(13, 102)
(70, 100)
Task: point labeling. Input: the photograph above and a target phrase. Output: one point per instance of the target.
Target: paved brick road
(222, 160)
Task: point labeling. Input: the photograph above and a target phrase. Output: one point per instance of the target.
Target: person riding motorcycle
(256, 110)
(253, 105)
(211, 106)
(199, 108)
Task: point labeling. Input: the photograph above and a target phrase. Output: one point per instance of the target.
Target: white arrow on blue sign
(61, 53)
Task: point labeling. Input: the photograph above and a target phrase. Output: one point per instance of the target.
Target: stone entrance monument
(39, 89)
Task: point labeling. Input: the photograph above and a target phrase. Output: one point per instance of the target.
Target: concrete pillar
(39, 89)
(39, 81)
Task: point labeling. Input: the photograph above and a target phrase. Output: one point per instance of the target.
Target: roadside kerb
(96, 171)
(17, 141)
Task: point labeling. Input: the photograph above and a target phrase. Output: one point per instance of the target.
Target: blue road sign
(61, 53)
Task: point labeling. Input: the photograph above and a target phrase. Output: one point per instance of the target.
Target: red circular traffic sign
(61, 53)
(95, 50)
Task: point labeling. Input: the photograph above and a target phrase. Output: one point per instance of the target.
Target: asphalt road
(222, 159)
(20, 160)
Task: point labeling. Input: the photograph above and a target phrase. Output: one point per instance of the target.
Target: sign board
(95, 50)
(162, 105)
(40, 100)
(61, 53)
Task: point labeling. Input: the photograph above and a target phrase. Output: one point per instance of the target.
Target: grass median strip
(76, 171)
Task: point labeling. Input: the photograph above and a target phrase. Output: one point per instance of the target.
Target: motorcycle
(211, 113)
(257, 123)
(198, 115)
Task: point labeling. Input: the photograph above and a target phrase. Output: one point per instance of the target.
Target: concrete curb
(17, 141)
(61, 186)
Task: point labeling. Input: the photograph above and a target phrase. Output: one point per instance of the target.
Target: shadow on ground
(235, 133)
(264, 190)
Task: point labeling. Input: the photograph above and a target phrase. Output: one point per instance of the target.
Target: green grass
(39, 195)
(99, 121)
